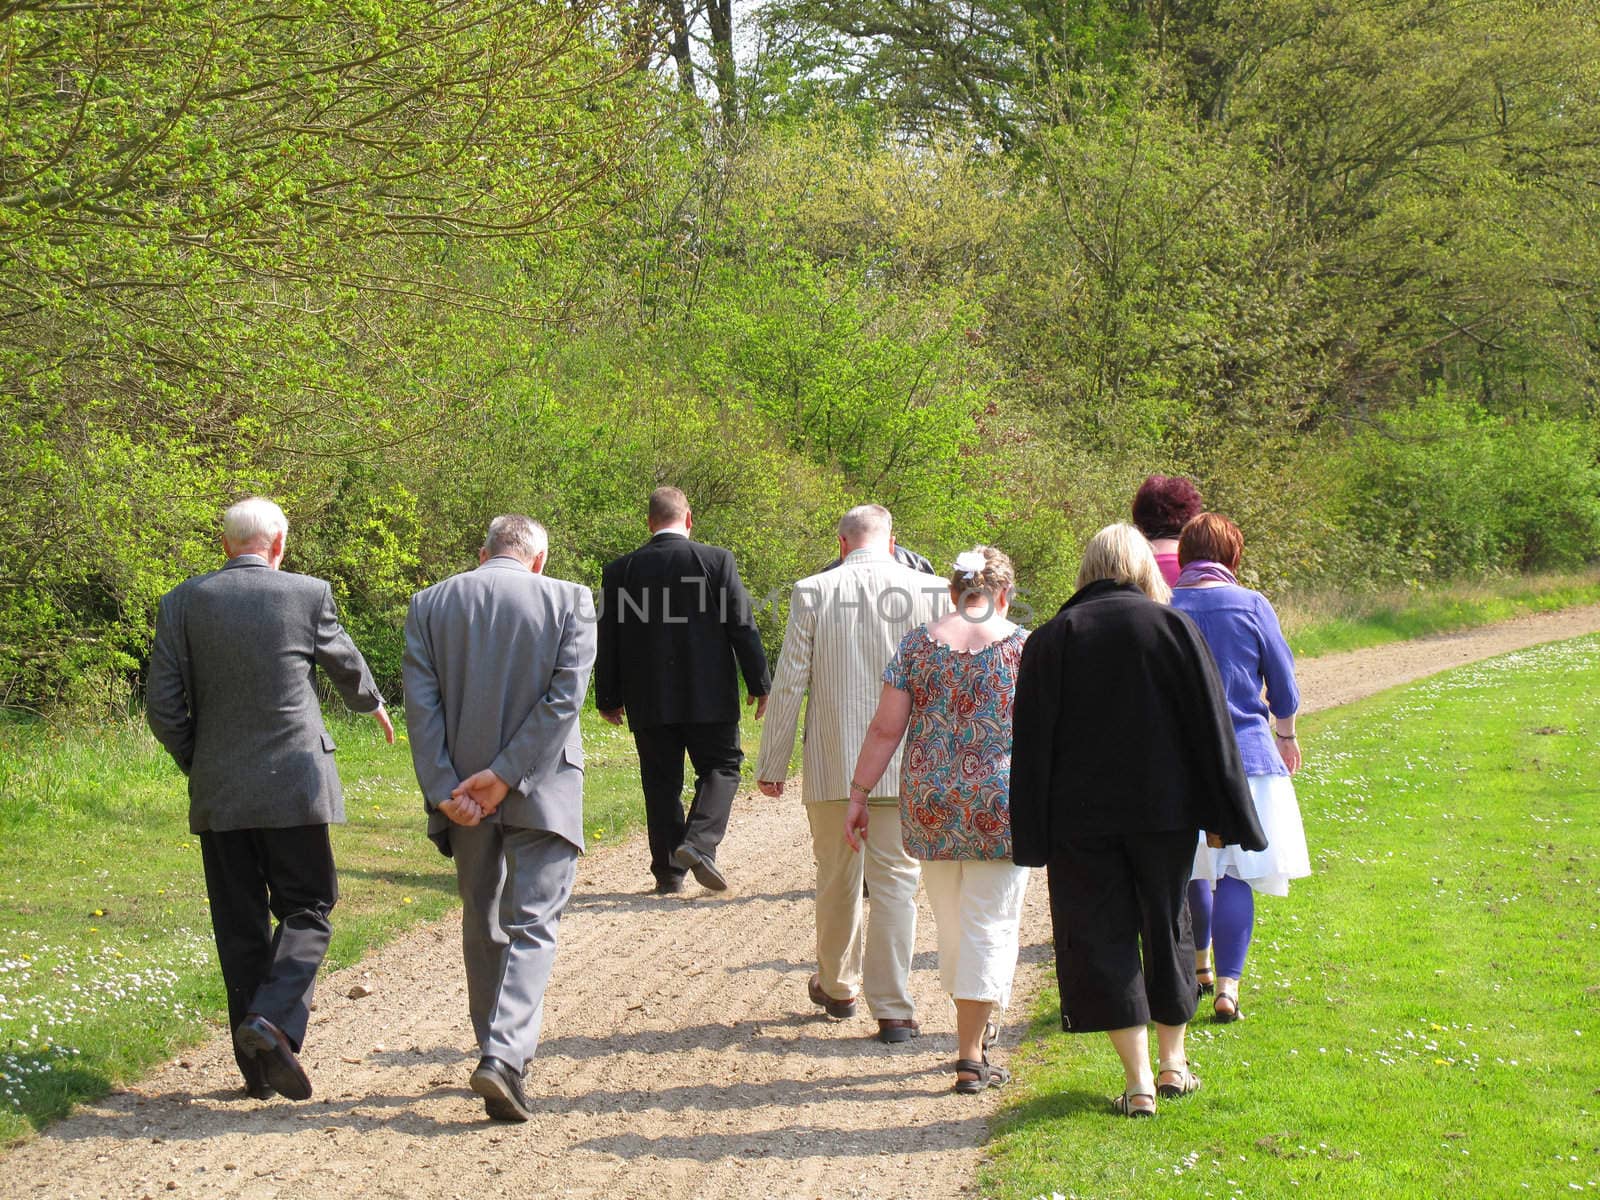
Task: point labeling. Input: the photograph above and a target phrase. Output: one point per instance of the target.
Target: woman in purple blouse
(951, 684)
(1242, 631)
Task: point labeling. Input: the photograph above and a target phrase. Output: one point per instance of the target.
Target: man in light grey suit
(497, 664)
(231, 694)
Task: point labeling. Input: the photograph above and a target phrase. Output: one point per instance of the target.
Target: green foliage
(405, 267)
(1445, 487)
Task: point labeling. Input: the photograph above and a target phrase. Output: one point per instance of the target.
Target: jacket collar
(503, 562)
(1102, 589)
(868, 554)
(245, 560)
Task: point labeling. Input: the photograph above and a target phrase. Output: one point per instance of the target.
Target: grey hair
(865, 523)
(520, 537)
(253, 523)
(1121, 553)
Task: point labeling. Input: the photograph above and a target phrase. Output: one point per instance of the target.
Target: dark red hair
(1164, 504)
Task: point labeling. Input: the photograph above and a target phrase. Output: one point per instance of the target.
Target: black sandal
(1207, 985)
(988, 1076)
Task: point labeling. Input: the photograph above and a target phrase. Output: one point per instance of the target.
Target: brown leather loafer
(897, 1029)
(260, 1039)
(838, 1009)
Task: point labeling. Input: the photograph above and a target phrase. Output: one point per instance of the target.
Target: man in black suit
(676, 630)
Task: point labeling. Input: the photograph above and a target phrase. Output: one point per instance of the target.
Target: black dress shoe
(704, 869)
(669, 887)
(255, 1080)
(501, 1089)
(260, 1039)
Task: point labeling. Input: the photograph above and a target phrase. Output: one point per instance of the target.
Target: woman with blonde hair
(1123, 752)
(951, 683)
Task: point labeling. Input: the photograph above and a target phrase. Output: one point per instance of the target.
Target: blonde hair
(1121, 553)
(997, 576)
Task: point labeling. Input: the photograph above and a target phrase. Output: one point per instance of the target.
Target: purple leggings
(1228, 920)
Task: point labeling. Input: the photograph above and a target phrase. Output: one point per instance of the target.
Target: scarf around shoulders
(1203, 570)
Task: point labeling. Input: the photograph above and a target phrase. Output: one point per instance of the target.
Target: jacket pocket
(573, 753)
(327, 742)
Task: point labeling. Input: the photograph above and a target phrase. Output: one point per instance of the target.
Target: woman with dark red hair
(1162, 506)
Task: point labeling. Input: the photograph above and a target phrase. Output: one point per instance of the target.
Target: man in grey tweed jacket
(497, 664)
(231, 694)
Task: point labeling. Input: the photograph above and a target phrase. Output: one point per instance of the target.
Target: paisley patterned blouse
(955, 772)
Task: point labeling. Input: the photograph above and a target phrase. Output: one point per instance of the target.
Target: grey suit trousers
(514, 884)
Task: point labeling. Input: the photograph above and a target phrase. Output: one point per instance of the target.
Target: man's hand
(614, 715)
(484, 789)
(461, 810)
(381, 716)
(855, 824)
(770, 788)
(761, 705)
(1214, 840)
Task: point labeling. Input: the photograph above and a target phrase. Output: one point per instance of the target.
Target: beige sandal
(1185, 1083)
(1129, 1104)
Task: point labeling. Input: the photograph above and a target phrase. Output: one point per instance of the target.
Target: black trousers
(1112, 896)
(714, 751)
(253, 875)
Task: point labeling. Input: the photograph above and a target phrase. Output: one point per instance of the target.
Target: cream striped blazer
(844, 627)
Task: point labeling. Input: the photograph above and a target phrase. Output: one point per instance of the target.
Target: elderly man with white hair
(497, 664)
(844, 626)
(231, 694)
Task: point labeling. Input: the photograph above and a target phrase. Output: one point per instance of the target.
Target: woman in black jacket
(1123, 751)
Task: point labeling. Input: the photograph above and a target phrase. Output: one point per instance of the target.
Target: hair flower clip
(971, 562)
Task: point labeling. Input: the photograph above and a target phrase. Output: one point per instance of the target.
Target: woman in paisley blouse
(951, 684)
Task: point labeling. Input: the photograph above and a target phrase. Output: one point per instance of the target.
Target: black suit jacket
(1121, 726)
(675, 631)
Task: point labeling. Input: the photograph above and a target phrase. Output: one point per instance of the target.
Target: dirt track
(681, 1056)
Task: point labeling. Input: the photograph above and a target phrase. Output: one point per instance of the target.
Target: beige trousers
(868, 957)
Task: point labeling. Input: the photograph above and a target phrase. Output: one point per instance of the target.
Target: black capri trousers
(1110, 895)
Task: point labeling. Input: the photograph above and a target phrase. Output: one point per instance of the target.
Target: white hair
(516, 535)
(865, 523)
(253, 524)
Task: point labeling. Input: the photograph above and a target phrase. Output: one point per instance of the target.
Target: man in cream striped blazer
(844, 626)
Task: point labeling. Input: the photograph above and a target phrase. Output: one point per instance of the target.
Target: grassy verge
(1422, 1013)
(106, 958)
(1325, 622)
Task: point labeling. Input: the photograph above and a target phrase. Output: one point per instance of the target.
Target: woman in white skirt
(1245, 638)
(951, 684)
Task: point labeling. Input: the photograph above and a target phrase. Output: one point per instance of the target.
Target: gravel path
(681, 1056)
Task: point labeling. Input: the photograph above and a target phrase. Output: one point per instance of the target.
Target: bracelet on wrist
(860, 787)
(1284, 737)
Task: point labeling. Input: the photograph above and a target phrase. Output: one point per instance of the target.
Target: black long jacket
(1121, 727)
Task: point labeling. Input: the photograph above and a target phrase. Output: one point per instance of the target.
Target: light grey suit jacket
(231, 693)
(497, 664)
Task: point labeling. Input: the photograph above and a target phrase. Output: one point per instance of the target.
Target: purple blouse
(955, 774)
(1247, 642)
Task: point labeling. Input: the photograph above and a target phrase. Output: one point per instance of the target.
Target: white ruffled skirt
(1268, 871)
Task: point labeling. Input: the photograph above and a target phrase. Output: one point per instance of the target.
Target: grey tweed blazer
(497, 665)
(231, 694)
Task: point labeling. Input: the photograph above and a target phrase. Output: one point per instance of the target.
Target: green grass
(1422, 1014)
(1325, 622)
(106, 958)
